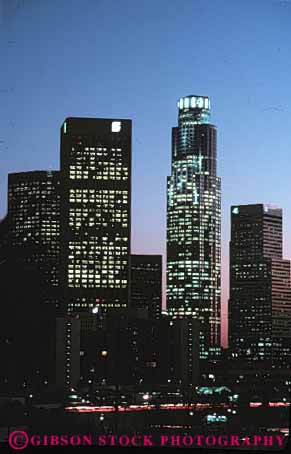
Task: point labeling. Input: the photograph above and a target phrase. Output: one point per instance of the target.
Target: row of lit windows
(105, 194)
(113, 174)
(93, 244)
(103, 169)
(99, 149)
(104, 284)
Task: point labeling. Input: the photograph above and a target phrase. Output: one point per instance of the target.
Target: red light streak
(279, 404)
(255, 404)
(169, 406)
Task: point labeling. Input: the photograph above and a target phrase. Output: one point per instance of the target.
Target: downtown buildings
(69, 231)
(73, 228)
(260, 287)
(193, 222)
(68, 234)
(101, 281)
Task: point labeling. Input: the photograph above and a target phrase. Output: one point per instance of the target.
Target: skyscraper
(193, 222)
(260, 289)
(146, 284)
(96, 222)
(34, 229)
(30, 280)
(96, 214)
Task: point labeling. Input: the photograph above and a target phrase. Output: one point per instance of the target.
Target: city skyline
(38, 98)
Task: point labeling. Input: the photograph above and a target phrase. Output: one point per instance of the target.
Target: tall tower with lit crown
(193, 222)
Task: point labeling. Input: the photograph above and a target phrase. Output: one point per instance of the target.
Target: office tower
(30, 280)
(146, 284)
(96, 218)
(193, 222)
(96, 201)
(260, 290)
(34, 230)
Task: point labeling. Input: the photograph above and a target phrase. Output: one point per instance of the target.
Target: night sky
(134, 59)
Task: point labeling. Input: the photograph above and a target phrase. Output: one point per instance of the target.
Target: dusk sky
(134, 59)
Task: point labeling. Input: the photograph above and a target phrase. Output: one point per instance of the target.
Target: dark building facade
(193, 222)
(21, 326)
(96, 218)
(30, 281)
(260, 289)
(4, 231)
(33, 224)
(146, 284)
(134, 351)
(32, 346)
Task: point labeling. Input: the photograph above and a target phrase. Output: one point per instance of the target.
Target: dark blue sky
(134, 59)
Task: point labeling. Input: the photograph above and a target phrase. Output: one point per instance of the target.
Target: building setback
(193, 222)
(260, 289)
(146, 284)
